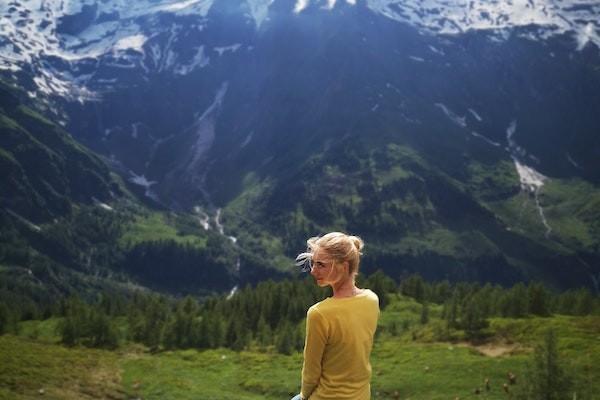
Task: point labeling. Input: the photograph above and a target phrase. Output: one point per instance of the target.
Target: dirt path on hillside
(94, 380)
(497, 349)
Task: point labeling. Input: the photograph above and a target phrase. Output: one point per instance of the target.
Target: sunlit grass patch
(406, 369)
(154, 227)
(212, 374)
(29, 368)
(43, 331)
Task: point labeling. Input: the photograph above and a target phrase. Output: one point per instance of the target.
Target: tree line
(271, 314)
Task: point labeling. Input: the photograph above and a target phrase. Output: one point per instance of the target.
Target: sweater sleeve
(316, 339)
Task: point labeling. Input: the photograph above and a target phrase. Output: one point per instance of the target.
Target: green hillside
(470, 221)
(68, 224)
(44, 170)
(408, 362)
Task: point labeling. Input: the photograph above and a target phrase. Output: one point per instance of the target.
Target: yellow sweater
(339, 338)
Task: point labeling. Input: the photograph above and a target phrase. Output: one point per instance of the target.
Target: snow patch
(203, 218)
(394, 88)
(142, 181)
(220, 227)
(474, 114)
(179, 5)
(531, 180)
(484, 138)
(23, 220)
(51, 82)
(232, 292)
(460, 121)
(259, 10)
(233, 48)
(205, 128)
(572, 161)
(301, 5)
(586, 35)
(247, 140)
(510, 131)
(459, 16)
(135, 42)
(105, 206)
(200, 60)
(134, 129)
(436, 51)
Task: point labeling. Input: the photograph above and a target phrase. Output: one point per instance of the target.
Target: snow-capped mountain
(72, 32)
(89, 51)
(211, 102)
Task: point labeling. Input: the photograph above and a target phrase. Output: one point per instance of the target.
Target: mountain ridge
(452, 145)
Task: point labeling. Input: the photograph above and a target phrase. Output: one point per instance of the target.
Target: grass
(42, 331)
(493, 181)
(405, 369)
(566, 204)
(153, 227)
(408, 364)
(571, 208)
(212, 374)
(8, 123)
(29, 368)
(440, 240)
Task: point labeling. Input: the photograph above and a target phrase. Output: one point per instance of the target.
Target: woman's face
(323, 269)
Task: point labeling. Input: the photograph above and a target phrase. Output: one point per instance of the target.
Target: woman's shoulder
(317, 311)
(320, 305)
(370, 294)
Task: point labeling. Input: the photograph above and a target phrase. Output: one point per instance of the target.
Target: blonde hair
(339, 246)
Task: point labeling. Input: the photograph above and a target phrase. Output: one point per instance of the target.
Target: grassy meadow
(408, 363)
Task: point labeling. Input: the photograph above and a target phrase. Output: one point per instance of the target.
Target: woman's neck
(345, 288)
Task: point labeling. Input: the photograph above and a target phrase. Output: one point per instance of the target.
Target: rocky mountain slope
(459, 138)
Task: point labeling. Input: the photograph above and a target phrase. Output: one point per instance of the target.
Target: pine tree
(538, 300)
(299, 334)
(381, 284)
(153, 323)
(284, 339)
(75, 325)
(175, 332)
(263, 332)
(441, 291)
(102, 331)
(451, 312)
(414, 287)
(424, 313)
(472, 319)
(584, 302)
(567, 302)
(546, 377)
(69, 331)
(516, 302)
(4, 319)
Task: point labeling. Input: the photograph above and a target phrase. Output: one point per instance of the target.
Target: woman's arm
(316, 339)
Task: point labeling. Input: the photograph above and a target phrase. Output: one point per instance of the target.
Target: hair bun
(358, 243)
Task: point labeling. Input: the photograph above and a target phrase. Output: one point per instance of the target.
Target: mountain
(69, 225)
(459, 138)
(43, 169)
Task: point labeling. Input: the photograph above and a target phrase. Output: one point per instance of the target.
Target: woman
(339, 329)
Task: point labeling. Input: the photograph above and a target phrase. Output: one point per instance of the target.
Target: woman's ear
(346, 267)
